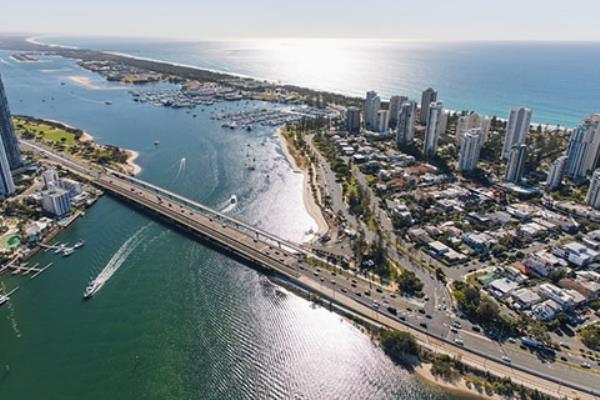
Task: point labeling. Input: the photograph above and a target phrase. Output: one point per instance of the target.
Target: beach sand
(131, 166)
(310, 204)
(84, 81)
(423, 373)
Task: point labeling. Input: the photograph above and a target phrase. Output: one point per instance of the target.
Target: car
(318, 270)
(476, 328)
(506, 359)
(565, 345)
(402, 317)
(358, 294)
(354, 281)
(333, 273)
(563, 358)
(333, 281)
(353, 284)
(408, 309)
(344, 290)
(375, 304)
(585, 365)
(315, 274)
(322, 279)
(428, 316)
(393, 296)
(426, 298)
(378, 290)
(367, 292)
(421, 311)
(512, 340)
(423, 325)
(459, 342)
(392, 310)
(301, 267)
(453, 330)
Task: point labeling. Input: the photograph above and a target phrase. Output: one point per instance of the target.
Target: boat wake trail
(119, 257)
(181, 167)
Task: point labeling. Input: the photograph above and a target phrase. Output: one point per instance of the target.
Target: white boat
(59, 249)
(68, 251)
(91, 289)
(79, 244)
(3, 299)
(233, 199)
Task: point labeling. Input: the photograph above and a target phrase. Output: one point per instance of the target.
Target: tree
(409, 283)
(590, 336)
(401, 347)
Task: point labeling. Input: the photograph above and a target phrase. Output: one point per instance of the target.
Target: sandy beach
(130, 166)
(460, 388)
(310, 204)
(84, 81)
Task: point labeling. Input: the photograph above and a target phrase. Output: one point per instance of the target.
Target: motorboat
(91, 289)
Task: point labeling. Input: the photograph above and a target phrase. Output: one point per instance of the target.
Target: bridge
(292, 261)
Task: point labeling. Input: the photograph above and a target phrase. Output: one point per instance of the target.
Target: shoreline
(460, 388)
(310, 205)
(33, 41)
(130, 165)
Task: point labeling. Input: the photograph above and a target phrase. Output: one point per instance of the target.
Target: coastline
(35, 42)
(311, 206)
(130, 165)
(460, 388)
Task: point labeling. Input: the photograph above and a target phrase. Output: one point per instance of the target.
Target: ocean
(559, 81)
(176, 319)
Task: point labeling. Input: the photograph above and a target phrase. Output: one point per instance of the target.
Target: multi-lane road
(430, 321)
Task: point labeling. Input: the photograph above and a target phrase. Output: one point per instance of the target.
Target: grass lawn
(48, 132)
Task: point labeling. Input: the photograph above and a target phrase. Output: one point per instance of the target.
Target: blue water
(559, 81)
(177, 320)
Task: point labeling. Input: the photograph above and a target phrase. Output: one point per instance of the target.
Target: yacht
(3, 299)
(91, 289)
(68, 251)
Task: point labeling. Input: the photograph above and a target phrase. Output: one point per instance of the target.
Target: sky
(436, 20)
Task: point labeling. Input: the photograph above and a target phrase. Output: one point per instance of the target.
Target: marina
(270, 117)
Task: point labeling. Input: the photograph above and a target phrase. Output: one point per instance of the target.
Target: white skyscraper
(517, 129)
(485, 125)
(372, 106)
(462, 126)
(405, 129)
(556, 173)
(469, 150)
(432, 132)
(429, 96)
(443, 124)
(56, 201)
(353, 119)
(516, 163)
(593, 195)
(395, 104)
(584, 148)
(382, 120)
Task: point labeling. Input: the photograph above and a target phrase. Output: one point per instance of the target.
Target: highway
(430, 327)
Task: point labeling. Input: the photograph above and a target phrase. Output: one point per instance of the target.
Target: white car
(506, 359)
(459, 342)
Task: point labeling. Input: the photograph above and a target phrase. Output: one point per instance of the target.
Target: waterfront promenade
(288, 259)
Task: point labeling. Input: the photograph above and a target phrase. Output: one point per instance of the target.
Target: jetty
(39, 271)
